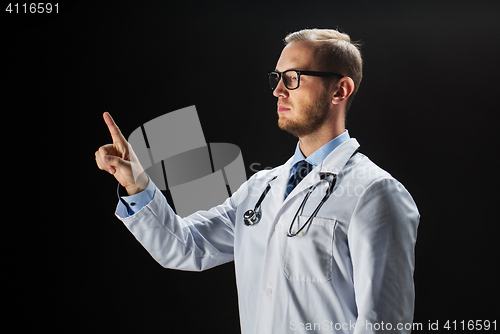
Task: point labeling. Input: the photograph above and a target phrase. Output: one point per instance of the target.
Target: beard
(310, 119)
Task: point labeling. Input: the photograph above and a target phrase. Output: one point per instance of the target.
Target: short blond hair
(335, 52)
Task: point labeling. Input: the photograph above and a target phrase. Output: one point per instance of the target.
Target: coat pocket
(309, 258)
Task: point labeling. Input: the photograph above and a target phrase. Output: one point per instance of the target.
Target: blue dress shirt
(320, 154)
(136, 202)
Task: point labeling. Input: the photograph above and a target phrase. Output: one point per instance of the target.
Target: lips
(282, 108)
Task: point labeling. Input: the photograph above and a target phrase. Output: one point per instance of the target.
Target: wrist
(140, 185)
(133, 190)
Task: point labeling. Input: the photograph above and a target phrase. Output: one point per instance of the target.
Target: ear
(345, 87)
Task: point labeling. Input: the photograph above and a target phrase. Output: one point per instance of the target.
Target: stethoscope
(252, 217)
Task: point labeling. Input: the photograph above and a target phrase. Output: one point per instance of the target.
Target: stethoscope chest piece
(251, 217)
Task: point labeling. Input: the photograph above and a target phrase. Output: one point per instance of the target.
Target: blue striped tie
(303, 168)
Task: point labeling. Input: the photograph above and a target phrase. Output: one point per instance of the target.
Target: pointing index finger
(115, 132)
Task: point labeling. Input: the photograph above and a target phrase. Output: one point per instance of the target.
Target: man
(322, 243)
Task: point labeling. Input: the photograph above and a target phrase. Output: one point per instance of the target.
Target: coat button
(269, 291)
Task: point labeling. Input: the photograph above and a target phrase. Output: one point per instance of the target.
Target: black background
(426, 112)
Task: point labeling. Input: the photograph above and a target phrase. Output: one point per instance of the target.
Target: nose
(280, 90)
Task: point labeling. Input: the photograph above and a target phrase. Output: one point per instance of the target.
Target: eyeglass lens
(290, 79)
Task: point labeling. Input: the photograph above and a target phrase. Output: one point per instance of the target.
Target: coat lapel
(333, 163)
(278, 186)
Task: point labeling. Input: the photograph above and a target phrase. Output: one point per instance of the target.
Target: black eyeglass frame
(299, 73)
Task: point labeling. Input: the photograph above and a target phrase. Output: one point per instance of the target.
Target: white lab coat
(355, 262)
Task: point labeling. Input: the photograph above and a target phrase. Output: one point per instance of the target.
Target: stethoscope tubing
(318, 207)
(253, 217)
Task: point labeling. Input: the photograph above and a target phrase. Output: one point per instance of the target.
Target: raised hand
(119, 160)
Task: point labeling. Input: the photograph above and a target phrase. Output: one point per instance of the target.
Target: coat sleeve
(197, 242)
(382, 237)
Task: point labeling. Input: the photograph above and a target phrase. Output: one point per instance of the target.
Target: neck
(311, 142)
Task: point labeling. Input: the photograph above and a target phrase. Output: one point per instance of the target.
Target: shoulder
(268, 173)
(361, 170)
(375, 188)
(361, 162)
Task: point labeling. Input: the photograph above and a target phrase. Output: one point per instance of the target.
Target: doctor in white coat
(324, 242)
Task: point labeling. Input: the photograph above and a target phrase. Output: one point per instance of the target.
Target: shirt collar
(321, 153)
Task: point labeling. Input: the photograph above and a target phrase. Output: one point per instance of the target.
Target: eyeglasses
(291, 78)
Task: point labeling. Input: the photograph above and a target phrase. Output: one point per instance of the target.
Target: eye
(291, 77)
